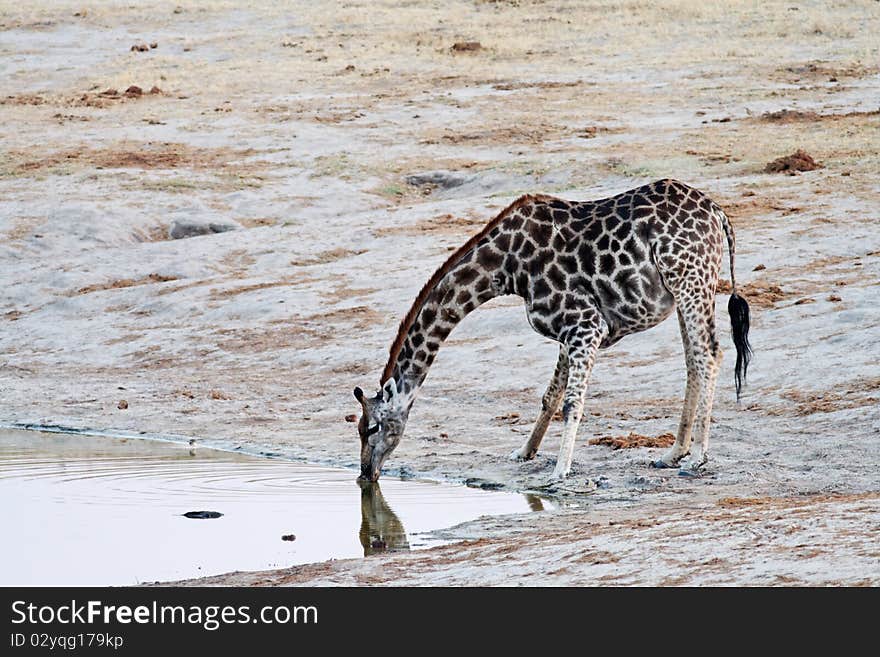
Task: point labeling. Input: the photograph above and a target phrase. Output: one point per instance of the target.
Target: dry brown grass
(634, 440)
(123, 283)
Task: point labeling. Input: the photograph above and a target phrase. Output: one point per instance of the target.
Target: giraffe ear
(389, 391)
(359, 394)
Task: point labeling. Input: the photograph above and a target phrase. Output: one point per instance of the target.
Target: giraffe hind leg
(549, 406)
(699, 321)
(682, 445)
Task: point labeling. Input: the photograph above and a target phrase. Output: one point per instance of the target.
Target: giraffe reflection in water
(381, 529)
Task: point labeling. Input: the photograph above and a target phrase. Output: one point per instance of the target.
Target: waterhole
(81, 510)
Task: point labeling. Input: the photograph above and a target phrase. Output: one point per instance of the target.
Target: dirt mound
(800, 160)
(634, 440)
(757, 293)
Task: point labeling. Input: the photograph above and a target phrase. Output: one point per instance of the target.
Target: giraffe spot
(581, 211)
(556, 277)
(642, 212)
(607, 263)
(568, 263)
(587, 258)
(463, 297)
(511, 264)
(518, 240)
(607, 294)
(559, 242)
(540, 289)
(489, 258)
(603, 243)
(514, 222)
(541, 260)
(502, 242)
(466, 275)
(527, 250)
(540, 232)
(623, 231)
(439, 331)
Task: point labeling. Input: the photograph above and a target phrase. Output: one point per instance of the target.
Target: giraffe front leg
(549, 405)
(582, 349)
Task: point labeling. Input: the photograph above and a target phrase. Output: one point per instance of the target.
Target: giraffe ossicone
(590, 273)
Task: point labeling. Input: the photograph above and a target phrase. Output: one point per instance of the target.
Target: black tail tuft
(738, 309)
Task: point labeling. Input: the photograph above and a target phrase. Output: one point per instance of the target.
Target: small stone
(202, 515)
(134, 90)
(154, 45)
(759, 268)
(288, 537)
(835, 298)
(140, 47)
(122, 405)
(351, 418)
(466, 46)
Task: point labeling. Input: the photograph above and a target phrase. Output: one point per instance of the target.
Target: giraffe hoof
(659, 463)
(517, 455)
(693, 468)
(690, 473)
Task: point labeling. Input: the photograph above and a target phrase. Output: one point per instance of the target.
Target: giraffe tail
(738, 309)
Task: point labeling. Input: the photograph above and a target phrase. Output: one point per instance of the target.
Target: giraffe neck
(473, 280)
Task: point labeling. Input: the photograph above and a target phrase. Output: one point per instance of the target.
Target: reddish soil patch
(853, 396)
(138, 156)
(444, 223)
(757, 293)
(125, 282)
(798, 161)
(634, 440)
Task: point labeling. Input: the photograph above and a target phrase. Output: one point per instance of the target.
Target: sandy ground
(288, 135)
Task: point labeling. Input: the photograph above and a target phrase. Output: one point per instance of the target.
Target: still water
(80, 510)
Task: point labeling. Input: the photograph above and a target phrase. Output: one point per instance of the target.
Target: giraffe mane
(410, 317)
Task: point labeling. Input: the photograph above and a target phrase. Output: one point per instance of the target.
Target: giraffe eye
(373, 429)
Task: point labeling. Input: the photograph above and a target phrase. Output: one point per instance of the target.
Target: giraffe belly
(625, 317)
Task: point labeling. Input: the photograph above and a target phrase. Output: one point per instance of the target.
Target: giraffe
(590, 273)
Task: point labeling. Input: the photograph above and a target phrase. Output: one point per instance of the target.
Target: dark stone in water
(202, 515)
(483, 483)
(182, 228)
(288, 537)
(442, 179)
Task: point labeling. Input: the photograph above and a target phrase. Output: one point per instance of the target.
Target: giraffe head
(380, 427)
